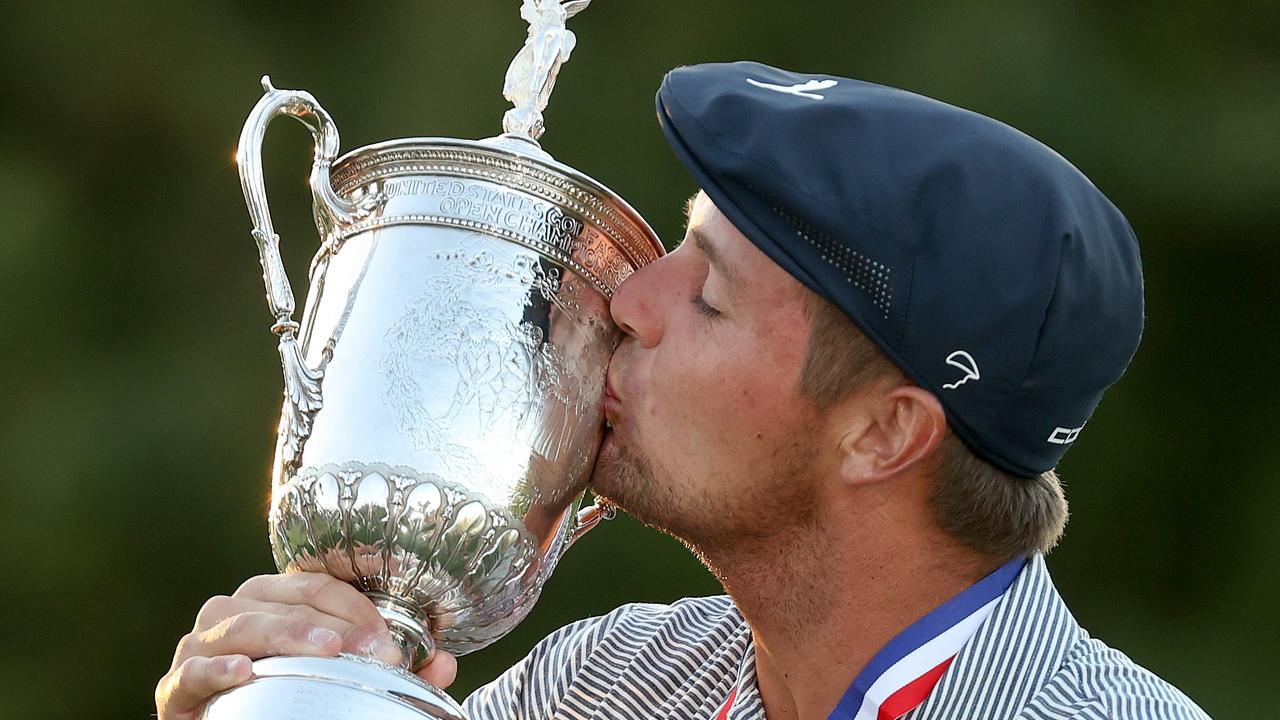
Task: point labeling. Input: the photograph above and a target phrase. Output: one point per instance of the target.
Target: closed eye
(700, 303)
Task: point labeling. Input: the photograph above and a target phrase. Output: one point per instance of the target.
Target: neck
(822, 601)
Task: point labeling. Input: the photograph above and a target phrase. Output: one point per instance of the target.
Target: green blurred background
(141, 385)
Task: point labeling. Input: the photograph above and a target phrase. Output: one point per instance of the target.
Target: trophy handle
(330, 208)
(590, 516)
(301, 383)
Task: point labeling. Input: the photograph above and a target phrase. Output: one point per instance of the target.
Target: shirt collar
(1016, 585)
(1011, 656)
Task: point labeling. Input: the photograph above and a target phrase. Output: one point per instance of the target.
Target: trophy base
(342, 688)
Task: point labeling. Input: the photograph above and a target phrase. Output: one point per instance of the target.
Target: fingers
(317, 590)
(441, 670)
(291, 614)
(217, 610)
(258, 635)
(361, 640)
(263, 634)
(183, 692)
(371, 638)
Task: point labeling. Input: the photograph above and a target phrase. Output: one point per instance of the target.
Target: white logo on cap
(1064, 436)
(803, 90)
(962, 360)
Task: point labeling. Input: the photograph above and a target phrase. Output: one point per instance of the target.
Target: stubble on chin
(707, 520)
(630, 480)
(764, 543)
(623, 478)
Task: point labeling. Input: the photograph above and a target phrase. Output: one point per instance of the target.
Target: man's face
(712, 439)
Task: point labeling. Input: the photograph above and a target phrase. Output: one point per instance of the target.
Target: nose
(636, 304)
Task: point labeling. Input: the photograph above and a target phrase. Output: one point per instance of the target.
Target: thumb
(441, 670)
(183, 693)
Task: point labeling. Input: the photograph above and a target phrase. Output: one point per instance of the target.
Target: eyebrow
(715, 258)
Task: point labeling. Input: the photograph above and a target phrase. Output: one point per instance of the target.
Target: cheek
(722, 386)
(759, 396)
(733, 397)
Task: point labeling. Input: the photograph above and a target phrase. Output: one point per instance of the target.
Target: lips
(611, 404)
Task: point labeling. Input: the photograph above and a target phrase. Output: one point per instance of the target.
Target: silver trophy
(442, 392)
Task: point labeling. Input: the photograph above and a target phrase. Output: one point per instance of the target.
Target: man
(846, 391)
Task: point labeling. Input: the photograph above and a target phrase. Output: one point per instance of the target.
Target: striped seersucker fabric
(1029, 660)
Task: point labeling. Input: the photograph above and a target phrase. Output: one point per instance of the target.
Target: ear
(903, 428)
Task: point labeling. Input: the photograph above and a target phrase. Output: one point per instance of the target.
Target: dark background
(141, 387)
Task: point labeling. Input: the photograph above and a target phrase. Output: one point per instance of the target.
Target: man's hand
(291, 614)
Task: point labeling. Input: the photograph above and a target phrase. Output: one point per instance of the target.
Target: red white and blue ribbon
(904, 672)
(728, 705)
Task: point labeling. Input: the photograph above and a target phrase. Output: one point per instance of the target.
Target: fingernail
(232, 666)
(320, 637)
(382, 649)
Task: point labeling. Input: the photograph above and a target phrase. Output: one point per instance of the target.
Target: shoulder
(641, 644)
(690, 613)
(687, 620)
(1098, 682)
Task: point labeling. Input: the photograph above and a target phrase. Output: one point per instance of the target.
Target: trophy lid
(514, 161)
(516, 191)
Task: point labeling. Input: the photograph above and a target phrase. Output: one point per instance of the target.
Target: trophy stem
(414, 639)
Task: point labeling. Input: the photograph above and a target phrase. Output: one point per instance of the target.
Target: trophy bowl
(461, 335)
(442, 388)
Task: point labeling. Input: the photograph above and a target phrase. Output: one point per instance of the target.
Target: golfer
(846, 391)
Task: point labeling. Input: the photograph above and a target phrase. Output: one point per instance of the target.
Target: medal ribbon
(905, 671)
(728, 703)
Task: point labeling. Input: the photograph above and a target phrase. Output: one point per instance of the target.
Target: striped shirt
(1029, 660)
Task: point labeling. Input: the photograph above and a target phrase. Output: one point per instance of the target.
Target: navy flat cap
(982, 263)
